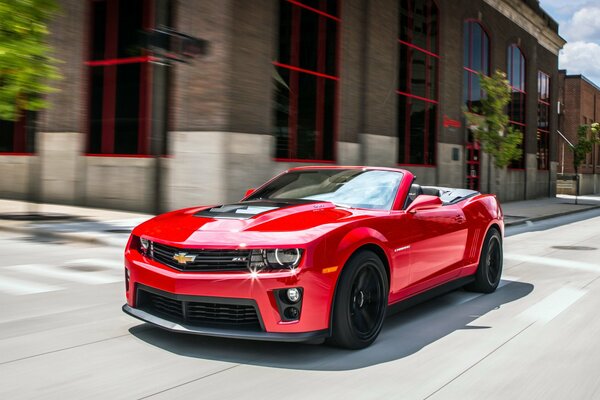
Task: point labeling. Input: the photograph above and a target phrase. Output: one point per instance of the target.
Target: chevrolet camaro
(316, 252)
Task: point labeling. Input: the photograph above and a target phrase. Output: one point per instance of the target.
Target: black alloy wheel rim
(493, 261)
(366, 302)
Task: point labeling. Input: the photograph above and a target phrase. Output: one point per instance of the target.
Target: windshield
(357, 188)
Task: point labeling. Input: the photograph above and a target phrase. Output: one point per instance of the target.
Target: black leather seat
(415, 190)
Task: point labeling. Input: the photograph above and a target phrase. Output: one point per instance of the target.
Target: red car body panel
(421, 251)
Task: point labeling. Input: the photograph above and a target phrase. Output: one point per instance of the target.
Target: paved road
(62, 334)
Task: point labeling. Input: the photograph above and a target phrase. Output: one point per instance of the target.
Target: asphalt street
(63, 335)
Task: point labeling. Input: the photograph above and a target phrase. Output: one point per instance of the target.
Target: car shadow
(403, 334)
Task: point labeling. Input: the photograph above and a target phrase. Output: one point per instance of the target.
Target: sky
(579, 22)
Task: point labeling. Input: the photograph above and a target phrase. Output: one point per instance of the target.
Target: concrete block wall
(15, 176)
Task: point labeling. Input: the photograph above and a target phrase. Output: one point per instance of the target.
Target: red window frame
(543, 128)
(405, 79)
(517, 109)
(296, 71)
(109, 64)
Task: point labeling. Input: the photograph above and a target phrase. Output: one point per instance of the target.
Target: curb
(543, 217)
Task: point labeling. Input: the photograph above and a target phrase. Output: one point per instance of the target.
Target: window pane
(332, 7)
(433, 27)
(418, 74)
(7, 133)
(95, 112)
(307, 95)
(417, 131)
(475, 91)
(516, 68)
(99, 29)
(465, 92)
(330, 55)
(127, 109)
(467, 44)
(316, 4)
(281, 105)
(309, 32)
(404, 52)
(285, 32)
(485, 57)
(419, 32)
(431, 134)
(404, 20)
(130, 23)
(329, 119)
(476, 48)
(402, 107)
(432, 78)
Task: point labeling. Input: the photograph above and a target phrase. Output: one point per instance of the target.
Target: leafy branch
(26, 67)
(490, 123)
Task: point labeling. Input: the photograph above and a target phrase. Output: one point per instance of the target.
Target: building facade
(284, 83)
(580, 103)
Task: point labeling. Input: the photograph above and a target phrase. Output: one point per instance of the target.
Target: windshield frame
(391, 205)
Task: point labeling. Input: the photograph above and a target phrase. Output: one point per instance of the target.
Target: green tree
(26, 66)
(490, 124)
(587, 136)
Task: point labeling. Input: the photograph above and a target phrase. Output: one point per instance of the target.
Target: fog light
(292, 313)
(293, 295)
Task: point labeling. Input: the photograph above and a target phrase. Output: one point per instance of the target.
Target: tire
(489, 271)
(360, 302)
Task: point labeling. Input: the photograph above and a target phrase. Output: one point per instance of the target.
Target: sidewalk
(108, 227)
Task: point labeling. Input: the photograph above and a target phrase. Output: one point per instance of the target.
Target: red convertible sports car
(316, 252)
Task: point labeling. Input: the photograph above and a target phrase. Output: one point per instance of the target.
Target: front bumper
(222, 332)
(318, 289)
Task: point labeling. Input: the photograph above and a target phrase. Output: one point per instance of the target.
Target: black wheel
(489, 271)
(360, 302)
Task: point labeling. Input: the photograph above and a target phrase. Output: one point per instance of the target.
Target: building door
(473, 164)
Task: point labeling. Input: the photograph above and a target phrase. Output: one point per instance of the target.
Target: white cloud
(581, 58)
(584, 26)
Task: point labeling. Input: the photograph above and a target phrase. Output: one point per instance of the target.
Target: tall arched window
(516, 108)
(418, 81)
(476, 61)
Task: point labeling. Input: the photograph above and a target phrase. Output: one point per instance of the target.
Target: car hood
(252, 223)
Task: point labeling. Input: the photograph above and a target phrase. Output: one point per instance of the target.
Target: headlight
(275, 259)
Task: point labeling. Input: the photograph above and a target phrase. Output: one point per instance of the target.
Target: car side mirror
(249, 192)
(424, 202)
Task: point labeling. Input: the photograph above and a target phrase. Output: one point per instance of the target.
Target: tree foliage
(584, 143)
(26, 66)
(490, 123)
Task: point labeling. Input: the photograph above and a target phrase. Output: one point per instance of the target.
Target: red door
(438, 239)
(473, 153)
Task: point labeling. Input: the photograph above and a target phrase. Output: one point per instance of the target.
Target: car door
(437, 242)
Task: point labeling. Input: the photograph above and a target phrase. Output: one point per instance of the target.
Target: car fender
(357, 238)
(347, 245)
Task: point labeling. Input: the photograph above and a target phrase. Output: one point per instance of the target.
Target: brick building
(580, 102)
(284, 83)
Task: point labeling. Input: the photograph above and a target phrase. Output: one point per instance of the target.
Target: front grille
(203, 259)
(209, 312)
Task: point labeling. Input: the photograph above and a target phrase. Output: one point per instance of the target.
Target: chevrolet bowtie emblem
(183, 258)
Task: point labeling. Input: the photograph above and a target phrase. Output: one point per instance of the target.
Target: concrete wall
(15, 176)
(62, 164)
